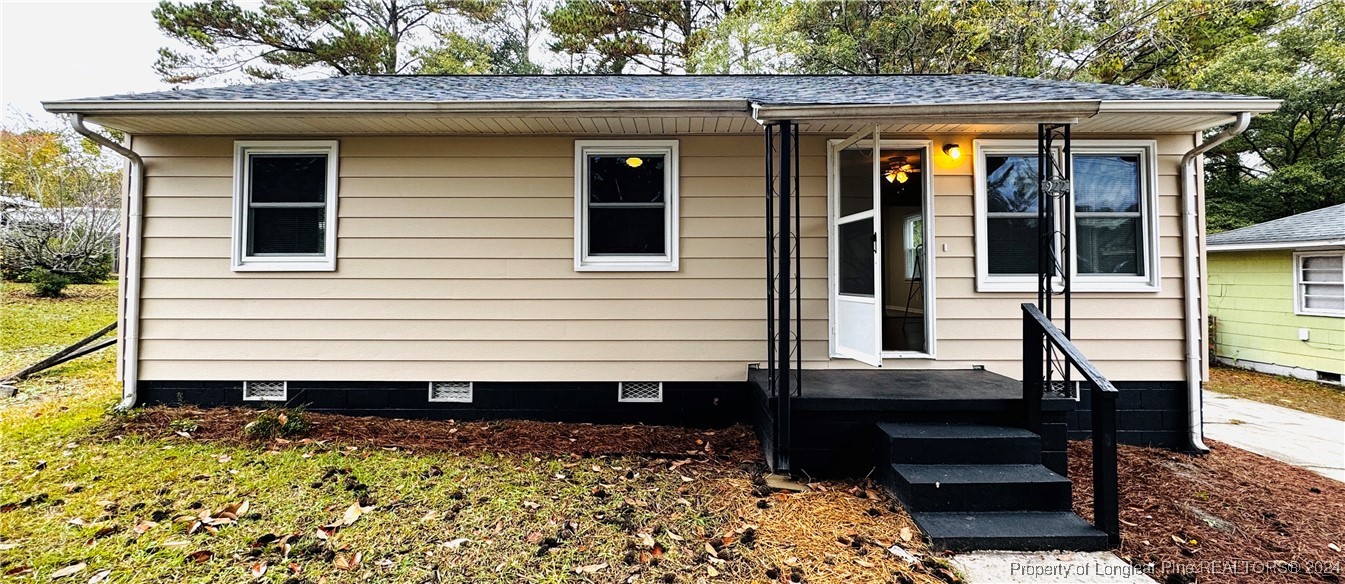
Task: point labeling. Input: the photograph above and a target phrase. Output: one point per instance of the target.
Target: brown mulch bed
(1226, 516)
(735, 444)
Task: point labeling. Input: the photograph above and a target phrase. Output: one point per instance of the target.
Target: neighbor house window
(1320, 286)
(285, 206)
(626, 205)
(1112, 226)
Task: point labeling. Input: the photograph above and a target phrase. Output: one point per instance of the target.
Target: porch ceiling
(588, 125)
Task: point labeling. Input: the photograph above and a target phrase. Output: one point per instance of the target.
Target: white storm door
(857, 251)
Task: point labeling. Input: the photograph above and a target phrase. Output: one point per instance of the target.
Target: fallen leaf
(201, 556)
(68, 571)
(1178, 540)
(144, 526)
(864, 563)
(347, 562)
(78, 522)
(258, 569)
(906, 534)
(590, 569)
(18, 570)
(455, 544)
(100, 576)
(531, 505)
(8, 546)
(711, 571)
(1333, 547)
(646, 540)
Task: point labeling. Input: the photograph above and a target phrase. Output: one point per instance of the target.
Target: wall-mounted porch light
(953, 151)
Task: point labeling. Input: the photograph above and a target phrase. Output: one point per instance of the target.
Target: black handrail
(1037, 332)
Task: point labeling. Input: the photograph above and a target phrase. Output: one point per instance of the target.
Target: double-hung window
(1112, 225)
(1320, 283)
(285, 206)
(626, 205)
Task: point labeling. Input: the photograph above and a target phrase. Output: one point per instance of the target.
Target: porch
(978, 458)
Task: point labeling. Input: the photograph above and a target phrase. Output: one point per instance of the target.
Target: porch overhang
(1062, 112)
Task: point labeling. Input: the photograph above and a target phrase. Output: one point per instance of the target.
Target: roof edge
(550, 107)
(1067, 111)
(1198, 106)
(1276, 245)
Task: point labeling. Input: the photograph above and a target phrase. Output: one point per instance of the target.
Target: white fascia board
(1190, 106)
(482, 107)
(1312, 244)
(1045, 111)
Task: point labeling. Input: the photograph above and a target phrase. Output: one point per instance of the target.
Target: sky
(57, 50)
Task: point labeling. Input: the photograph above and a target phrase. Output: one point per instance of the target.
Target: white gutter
(130, 285)
(1065, 111)
(1190, 277)
(1308, 244)
(1194, 106)
(613, 107)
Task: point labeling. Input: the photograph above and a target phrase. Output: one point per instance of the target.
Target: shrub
(286, 422)
(187, 425)
(46, 283)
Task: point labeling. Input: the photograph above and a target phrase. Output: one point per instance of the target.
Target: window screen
(1011, 213)
(287, 204)
(1321, 287)
(1109, 222)
(626, 205)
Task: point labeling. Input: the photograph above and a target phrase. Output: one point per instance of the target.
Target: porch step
(1018, 531)
(979, 487)
(958, 444)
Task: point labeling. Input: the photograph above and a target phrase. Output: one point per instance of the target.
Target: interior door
(857, 251)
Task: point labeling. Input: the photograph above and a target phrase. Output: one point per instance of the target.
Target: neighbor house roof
(1320, 228)
(946, 98)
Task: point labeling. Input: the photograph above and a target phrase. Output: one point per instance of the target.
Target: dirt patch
(1227, 516)
(1277, 390)
(736, 444)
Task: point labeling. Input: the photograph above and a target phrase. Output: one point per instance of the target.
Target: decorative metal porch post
(783, 281)
(1054, 260)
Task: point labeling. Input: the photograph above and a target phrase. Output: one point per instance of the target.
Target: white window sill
(284, 266)
(1321, 314)
(618, 266)
(1078, 286)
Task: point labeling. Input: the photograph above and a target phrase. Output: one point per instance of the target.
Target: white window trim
(241, 262)
(1147, 150)
(1299, 300)
(668, 262)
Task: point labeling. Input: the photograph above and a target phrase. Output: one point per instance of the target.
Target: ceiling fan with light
(899, 170)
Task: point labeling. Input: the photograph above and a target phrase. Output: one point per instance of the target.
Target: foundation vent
(640, 391)
(451, 391)
(265, 390)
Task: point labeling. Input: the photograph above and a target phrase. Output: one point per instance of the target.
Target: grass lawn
(1277, 390)
(181, 495)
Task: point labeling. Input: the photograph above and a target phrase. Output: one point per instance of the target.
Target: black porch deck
(834, 417)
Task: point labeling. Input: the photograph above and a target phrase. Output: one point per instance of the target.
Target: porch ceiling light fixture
(899, 170)
(953, 151)
(634, 162)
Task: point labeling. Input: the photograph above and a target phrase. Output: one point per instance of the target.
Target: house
(1277, 295)
(850, 262)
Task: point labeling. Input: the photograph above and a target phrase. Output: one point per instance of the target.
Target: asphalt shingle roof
(1322, 224)
(762, 89)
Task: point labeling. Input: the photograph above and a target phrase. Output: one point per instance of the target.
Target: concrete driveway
(1298, 438)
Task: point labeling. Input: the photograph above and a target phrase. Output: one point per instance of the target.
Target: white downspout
(1190, 277)
(130, 286)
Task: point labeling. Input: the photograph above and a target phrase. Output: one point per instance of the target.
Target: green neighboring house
(1277, 295)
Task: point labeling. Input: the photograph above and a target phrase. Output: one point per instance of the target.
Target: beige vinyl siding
(455, 261)
(450, 266)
